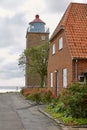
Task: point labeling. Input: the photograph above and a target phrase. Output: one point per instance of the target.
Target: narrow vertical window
(53, 49)
(64, 78)
(51, 79)
(60, 42)
(43, 38)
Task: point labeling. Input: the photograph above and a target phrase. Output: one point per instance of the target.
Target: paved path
(18, 114)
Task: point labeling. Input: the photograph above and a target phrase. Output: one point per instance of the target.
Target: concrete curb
(63, 127)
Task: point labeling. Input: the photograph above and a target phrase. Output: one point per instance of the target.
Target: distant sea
(4, 89)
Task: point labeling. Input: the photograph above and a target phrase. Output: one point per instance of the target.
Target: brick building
(68, 49)
(36, 34)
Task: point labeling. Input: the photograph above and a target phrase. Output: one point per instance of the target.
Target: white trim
(60, 42)
(51, 79)
(43, 37)
(65, 78)
(53, 49)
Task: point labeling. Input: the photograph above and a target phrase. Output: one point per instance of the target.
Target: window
(51, 79)
(60, 42)
(53, 49)
(64, 78)
(32, 26)
(43, 37)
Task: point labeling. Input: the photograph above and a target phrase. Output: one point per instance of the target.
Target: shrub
(42, 96)
(75, 100)
(30, 97)
(45, 96)
(37, 97)
(59, 107)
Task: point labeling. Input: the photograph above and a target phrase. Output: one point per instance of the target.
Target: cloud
(55, 6)
(5, 12)
(12, 30)
(12, 82)
(11, 4)
(12, 43)
(9, 68)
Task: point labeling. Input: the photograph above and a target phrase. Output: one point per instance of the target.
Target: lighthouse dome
(37, 25)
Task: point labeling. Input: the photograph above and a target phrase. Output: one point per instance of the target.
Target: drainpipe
(76, 69)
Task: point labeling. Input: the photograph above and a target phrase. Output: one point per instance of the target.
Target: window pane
(64, 78)
(51, 79)
(60, 43)
(43, 37)
(53, 49)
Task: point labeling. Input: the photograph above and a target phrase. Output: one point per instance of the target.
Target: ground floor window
(65, 78)
(51, 79)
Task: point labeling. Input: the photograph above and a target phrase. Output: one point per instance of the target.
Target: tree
(37, 59)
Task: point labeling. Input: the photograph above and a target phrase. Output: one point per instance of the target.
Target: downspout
(76, 69)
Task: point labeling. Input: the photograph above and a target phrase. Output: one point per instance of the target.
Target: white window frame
(53, 49)
(60, 42)
(43, 38)
(65, 78)
(51, 79)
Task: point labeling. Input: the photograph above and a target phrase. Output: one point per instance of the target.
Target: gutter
(60, 29)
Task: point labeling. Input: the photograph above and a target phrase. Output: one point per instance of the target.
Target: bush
(37, 97)
(30, 97)
(42, 96)
(47, 97)
(75, 100)
(59, 107)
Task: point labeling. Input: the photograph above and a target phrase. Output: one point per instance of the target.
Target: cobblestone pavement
(18, 114)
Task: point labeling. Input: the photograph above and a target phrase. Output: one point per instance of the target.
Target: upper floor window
(43, 37)
(53, 49)
(60, 42)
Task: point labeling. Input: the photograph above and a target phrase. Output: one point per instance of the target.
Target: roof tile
(75, 25)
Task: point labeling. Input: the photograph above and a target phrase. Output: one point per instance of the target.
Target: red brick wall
(60, 60)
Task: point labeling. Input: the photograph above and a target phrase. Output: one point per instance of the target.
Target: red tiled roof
(75, 26)
(37, 19)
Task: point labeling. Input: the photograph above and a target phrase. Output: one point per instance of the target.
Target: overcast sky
(14, 18)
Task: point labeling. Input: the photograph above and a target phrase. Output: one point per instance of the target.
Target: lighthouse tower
(37, 34)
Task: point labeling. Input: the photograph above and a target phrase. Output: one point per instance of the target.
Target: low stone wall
(26, 90)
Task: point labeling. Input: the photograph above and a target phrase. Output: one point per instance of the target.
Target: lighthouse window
(32, 26)
(43, 37)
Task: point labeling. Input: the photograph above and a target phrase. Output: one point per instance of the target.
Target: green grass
(66, 120)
